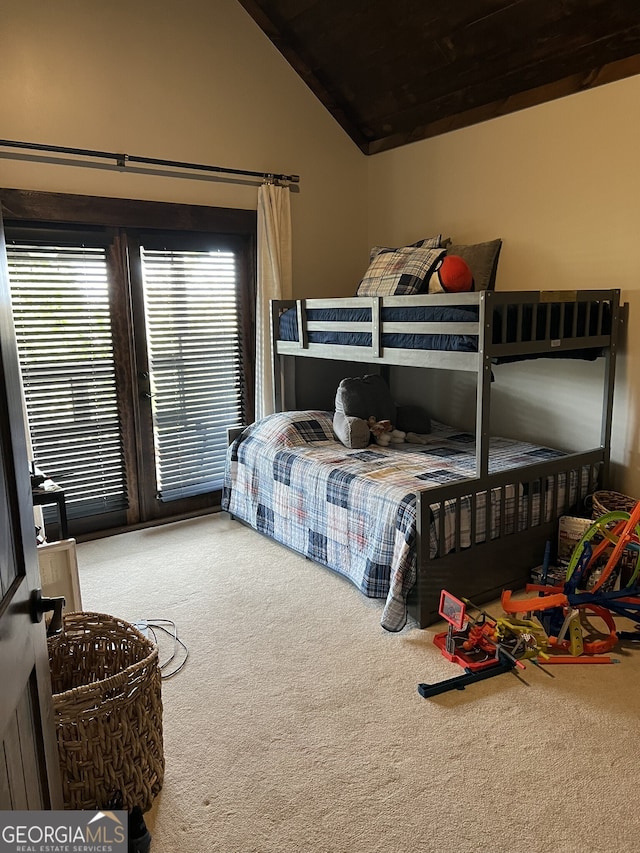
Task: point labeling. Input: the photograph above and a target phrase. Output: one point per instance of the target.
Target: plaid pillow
(401, 272)
(428, 243)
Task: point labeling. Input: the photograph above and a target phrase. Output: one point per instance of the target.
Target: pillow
(357, 399)
(427, 243)
(483, 261)
(410, 418)
(401, 272)
(352, 432)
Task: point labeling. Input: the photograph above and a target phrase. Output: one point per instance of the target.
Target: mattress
(354, 511)
(429, 313)
(505, 328)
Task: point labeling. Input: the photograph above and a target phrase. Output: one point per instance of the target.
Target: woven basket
(108, 712)
(607, 501)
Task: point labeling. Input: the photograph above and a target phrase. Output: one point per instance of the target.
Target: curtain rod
(123, 159)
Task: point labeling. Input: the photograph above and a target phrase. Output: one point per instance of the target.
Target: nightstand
(50, 493)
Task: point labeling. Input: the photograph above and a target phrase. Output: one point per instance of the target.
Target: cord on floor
(148, 627)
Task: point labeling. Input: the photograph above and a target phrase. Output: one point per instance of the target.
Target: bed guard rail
(520, 498)
(509, 324)
(479, 536)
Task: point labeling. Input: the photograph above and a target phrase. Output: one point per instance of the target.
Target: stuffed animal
(383, 432)
(398, 436)
(380, 430)
(452, 276)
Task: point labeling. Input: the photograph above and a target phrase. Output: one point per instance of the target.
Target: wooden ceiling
(396, 71)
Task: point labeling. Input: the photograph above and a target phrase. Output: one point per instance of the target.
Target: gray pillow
(360, 397)
(352, 432)
(412, 419)
(357, 399)
(482, 259)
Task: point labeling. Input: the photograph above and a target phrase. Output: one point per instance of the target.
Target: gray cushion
(352, 432)
(360, 397)
(357, 399)
(413, 419)
(482, 259)
(363, 396)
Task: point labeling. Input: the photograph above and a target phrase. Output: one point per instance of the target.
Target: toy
(624, 533)
(486, 646)
(453, 275)
(384, 433)
(380, 430)
(483, 646)
(565, 610)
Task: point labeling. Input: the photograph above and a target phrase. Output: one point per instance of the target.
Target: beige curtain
(274, 282)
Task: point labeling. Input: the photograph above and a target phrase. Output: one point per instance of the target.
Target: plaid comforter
(354, 510)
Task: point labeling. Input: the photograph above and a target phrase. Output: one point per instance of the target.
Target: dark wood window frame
(33, 208)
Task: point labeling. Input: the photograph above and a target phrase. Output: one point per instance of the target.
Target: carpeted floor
(296, 726)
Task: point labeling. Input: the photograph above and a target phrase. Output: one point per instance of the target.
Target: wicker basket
(108, 712)
(607, 501)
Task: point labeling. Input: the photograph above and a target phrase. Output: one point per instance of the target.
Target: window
(62, 318)
(135, 344)
(195, 359)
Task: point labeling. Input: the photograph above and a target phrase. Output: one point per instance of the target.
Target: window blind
(61, 313)
(192, 307)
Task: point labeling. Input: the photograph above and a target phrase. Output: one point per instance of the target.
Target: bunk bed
(473, 529)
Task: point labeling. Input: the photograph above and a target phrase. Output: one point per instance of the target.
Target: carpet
(296, 725)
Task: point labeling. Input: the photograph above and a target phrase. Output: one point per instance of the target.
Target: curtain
(274, 282)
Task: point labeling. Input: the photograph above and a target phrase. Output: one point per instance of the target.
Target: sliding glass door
(190, 324)
(192, 317)
(62, 315)
(135, 350)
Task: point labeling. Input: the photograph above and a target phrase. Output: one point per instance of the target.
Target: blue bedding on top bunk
(416, 314)
(451, 314)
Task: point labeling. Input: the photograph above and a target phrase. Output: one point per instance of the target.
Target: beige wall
(560, 184)
(189, 80)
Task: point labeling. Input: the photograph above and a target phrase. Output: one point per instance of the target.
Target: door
(136, 347)
(29, 773)
(189, 313)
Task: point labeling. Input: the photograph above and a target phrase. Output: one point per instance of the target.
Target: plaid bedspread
(355, 510)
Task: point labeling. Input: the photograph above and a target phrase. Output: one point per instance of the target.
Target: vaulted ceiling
(396, 71)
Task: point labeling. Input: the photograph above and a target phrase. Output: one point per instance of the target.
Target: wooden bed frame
(482, 571)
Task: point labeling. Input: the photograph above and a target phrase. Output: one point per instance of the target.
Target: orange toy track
(590, 647)
(532, 605)
(626, 532)
(593, 647)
